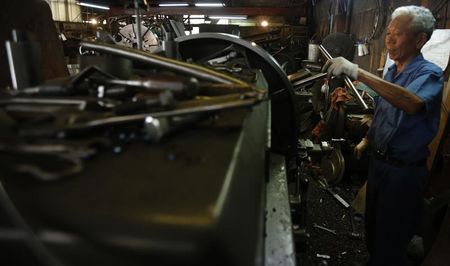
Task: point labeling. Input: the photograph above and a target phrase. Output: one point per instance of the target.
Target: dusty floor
(323, 247)
(340, 249)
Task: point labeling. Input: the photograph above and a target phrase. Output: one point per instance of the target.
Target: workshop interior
(191, 132)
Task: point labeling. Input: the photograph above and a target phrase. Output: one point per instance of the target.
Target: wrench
(324, 228)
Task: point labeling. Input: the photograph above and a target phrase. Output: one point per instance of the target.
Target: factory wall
(367, 23)
(65, 10)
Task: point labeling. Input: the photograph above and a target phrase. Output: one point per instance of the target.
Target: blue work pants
(394, 202)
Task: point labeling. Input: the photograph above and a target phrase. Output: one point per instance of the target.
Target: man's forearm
(393, 93)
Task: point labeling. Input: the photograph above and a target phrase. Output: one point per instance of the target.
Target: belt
(382, 156)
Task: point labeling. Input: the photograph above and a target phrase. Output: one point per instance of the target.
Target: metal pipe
(127, 119)
(348, 16)
(44, 101)
(309, 79)
(138, 25)
(163, 62)
(299, 75)
(347, 80)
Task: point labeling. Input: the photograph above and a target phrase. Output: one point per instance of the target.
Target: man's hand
(339, 65)
(360, 148)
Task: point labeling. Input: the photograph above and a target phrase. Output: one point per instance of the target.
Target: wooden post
(425, 3)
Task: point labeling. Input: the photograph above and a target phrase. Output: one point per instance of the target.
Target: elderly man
(406, 119)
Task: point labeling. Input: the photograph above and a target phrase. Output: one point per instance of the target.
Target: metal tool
(80, 103)
(353, 234)
(62, 154)
(87, 72)
(139, 118)
(309, 79)
(157, 128)
(24, 58)
(228, 69)
(334, 194)
(303, 82)
(339, 198)
(323, 256)
(303, 73)
(165, 99)
(324, 228)
(42, 90)
(163, 62)
(187, 89)
(222, 59)
(347, 81)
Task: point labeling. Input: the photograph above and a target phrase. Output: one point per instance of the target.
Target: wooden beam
(425, 3)
(249, 11)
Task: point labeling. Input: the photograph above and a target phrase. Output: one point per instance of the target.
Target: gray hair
(422, 19)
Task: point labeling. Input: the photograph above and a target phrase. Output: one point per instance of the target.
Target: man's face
(401, 42)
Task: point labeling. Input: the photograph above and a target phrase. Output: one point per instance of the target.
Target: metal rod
(138, 25)
(164, 62)
(325, 229)
(339, 198)
(336, 196)
(44, 101)
(347, 81)
(299, 75)
(309, 79)
(127, 119)
(348, 16)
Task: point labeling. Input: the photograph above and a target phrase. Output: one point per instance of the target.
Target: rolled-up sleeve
(428, 87)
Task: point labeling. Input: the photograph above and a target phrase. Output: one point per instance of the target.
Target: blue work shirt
(398, 134)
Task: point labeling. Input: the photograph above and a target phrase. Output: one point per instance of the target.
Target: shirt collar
(411, 66)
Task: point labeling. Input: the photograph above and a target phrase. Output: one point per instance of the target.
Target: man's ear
(421, 39)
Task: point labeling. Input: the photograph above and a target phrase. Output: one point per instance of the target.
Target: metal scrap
(334, 194)
(323, 256)
(324, 228)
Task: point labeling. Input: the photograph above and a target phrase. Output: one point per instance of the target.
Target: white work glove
(340, 66)
(360, 148)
